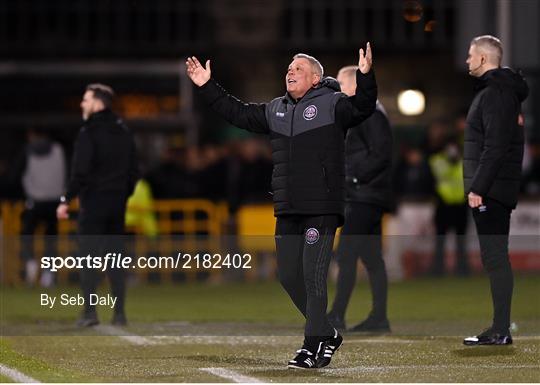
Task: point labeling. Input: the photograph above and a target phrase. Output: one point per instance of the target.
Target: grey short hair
(315, 64)
(349, 70)
(491, 45)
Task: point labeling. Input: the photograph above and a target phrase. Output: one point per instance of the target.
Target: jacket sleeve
(378, 135)
(81, 164)
(248, 116)
(353, 110)
(499, 116)
(133, 172)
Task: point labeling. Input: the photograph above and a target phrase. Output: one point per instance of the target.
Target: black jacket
(307, 138)
(368, 161)
(493, 149)
(104, 159)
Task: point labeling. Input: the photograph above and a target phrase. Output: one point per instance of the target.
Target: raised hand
(196, 72)
(364, 62)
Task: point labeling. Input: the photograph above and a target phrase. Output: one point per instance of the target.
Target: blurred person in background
(42, 169)
(368, 171)
(451, 207)
(492, 161)
(167, 180)
(249, 173)
(530, 184)
(437, 134)
(306, 128)
(413, 180)
(213, 176)
(104, 172)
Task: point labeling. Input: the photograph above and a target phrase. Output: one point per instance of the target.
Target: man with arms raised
(306, 127)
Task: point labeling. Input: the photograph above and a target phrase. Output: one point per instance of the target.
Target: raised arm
(248, 116)
(353, 110)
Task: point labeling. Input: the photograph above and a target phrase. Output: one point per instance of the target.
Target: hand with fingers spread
(365, 60)
(196, 72)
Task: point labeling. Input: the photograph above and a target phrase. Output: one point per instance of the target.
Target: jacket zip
(290, 156)
(325, 178)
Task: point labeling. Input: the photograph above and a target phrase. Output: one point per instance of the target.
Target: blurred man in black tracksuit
(368, 170)
(493, 154)
(104, 174)
(306, 129)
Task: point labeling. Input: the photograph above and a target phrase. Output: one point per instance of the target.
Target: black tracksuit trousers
(35, 214)
(448, 217)
(361, 237)
(101, 230)
(304, 248)
(493, 225)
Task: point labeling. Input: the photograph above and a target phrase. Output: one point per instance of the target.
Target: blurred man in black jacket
(104, 173)
(368, 164)
(493, 155)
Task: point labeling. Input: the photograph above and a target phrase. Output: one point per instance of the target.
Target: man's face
(300, 78)
(89, 104)
(475, 61)
(347, 82)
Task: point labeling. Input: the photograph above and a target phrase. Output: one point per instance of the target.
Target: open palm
(365, 60)
(196, 72)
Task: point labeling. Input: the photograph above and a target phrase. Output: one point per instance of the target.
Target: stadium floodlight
(411, 102)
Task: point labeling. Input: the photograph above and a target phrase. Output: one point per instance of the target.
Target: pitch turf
(247, 332)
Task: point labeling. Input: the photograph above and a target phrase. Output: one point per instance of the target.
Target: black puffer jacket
(307, 138)
(368, 161)
(104, 159)
(493, 150)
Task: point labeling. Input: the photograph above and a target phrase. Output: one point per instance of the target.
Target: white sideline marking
(357, 369)
(382, 341)
(121, 333)
(284, 340)
(428, 367)
(230, 375)
(15, 375)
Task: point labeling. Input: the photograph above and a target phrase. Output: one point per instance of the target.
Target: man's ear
(316, 79)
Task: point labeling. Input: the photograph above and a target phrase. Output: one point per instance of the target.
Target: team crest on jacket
(310, 112)
(312, 235)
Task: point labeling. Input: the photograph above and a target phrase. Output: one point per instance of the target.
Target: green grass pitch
(247, 332)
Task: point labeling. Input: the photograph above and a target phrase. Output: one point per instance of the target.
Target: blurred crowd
(239, 171)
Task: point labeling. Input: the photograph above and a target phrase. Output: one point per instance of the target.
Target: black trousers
(101, 230)
(361, 237)
(35, 214)
(450, 217)
(493, 225)
(304, 248)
